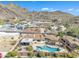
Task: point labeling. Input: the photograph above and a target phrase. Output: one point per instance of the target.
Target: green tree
(31, 54)
(11, 54)
(61, 34)
(42, 54)
(1, 22)
(75, 30)
(77, 47)
(29, 48)
(66, 25)
(70, 55)
(54, 55)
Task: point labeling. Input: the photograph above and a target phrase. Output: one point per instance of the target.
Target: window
(38, 40)
(24, 43)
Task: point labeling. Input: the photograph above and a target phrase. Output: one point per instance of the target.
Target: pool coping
(61, 49)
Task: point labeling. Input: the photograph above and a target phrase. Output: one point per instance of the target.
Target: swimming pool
(47, 49)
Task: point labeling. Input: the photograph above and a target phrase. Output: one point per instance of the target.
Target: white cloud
(48, 9)
(45, 9)
(71, 9)
(52, 9)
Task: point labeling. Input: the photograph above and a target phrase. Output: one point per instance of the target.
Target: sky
(65, 6)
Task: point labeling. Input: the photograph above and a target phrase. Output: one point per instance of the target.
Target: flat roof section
(27, 40)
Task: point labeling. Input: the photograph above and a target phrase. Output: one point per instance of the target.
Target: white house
(54, 27)
(26, 41)
(63, 28)
(58, 28)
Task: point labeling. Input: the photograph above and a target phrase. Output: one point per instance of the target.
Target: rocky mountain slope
(52, 16)
(12, 11)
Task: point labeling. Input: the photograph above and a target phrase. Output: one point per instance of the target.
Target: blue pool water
(47, 48)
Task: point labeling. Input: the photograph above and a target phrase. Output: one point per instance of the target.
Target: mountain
(52, 16)
(13, 12)
(74, 21)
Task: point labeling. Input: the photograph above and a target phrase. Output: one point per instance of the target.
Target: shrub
(69, 55)
(31, 54)
(77, 47)
(29, 48)
(11, 54)
(41, 54)
(61, 34)
(53, 54)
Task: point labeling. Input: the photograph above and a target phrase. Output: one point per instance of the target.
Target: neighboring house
(42, 30)
(58, 28)
(8, 26)
(21, 26)
(54, 27)
(62, 28)
(31, 24)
